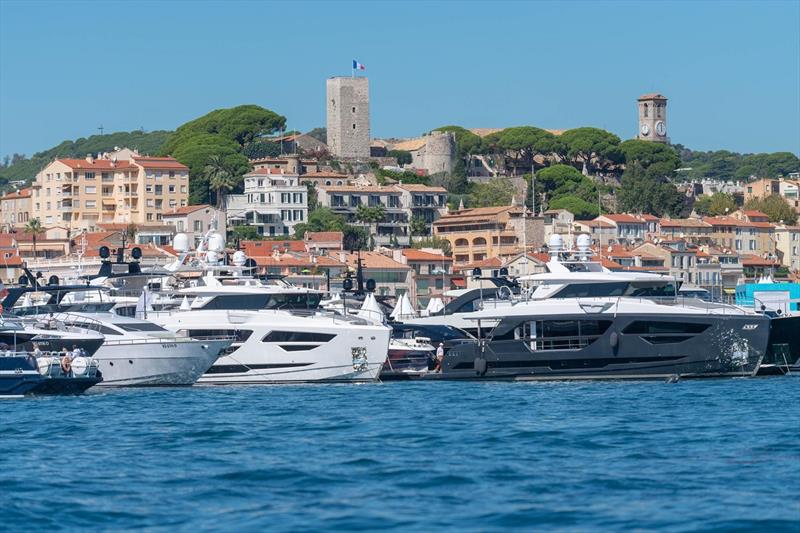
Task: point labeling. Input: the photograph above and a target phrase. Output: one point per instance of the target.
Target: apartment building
(15, 209)
(117, 187)
(787, 244)
(274, 201)
(432, 273)
(479, 233)
(196, 220)
(789, 189)
(743, 236)
(401, 204)
(693, 230)
(629, 229)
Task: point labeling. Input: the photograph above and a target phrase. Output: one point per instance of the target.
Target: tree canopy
(726, 165)
(641, 192)
(775, 207)
(592, 146)
(225, 133)
(523, 143)
(719, 203)
(466, 141)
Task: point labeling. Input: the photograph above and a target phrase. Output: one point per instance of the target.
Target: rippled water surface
(713, 455)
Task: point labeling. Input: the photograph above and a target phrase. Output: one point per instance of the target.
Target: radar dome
(239, 258)
(556, 242)
(216, 243)
(584, 241)
(212, 257)
(180, 242)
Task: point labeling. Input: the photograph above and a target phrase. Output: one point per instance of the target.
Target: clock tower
(653, 118)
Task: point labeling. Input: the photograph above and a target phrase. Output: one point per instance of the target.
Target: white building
(273, 201)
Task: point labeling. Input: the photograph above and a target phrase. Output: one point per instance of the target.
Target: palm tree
(220, 178)
(34, 227)
(371, 215)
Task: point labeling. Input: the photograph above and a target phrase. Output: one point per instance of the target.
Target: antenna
(101, 129)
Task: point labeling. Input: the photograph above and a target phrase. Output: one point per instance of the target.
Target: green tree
(261, 149)
(320, 134)
(35, 228)
(371, 215)
(320, 219)
(775, 207)
(593, 146)
(220, 178)
(245, 233)
(565, 180)
(582, 209)
(467, 143)
(434, 242)
(647, 153)
(522, 144)
(641, 193)
(403, 157)
(717, 204)
(418, 226)
(495, 192)
(355, 238)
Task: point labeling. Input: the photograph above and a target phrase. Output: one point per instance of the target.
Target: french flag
(358, 66)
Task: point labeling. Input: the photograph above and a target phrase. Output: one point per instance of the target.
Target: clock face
(661, 128)
(645, 129)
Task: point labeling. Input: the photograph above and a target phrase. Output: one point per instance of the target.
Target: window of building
(752, 244)
(149, 217)
(172, 188)
(159, 189)
(91, 190)
(90, 204)
(89, 175)
(183, 188)
(198, 225)
(179, 226)
(150, 202)
(354, 126)
(171, 173)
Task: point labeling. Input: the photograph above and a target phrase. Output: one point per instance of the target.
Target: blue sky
(731, 70)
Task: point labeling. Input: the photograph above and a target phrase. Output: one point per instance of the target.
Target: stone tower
(440, 152)
(348, 117)
(653, 118)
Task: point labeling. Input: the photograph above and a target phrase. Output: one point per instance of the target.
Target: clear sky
(731, 70)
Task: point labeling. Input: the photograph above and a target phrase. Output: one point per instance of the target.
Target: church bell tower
(653, 118)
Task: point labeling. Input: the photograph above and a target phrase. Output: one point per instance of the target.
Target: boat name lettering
(749, 327)
(169, 345)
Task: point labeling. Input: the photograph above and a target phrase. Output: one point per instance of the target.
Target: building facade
(348, 117)
(195, 221)
(273, 202)
(82, 193)
(15, 209)
(787, 244)
(401, 205)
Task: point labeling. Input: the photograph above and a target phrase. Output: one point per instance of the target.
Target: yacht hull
(721, 346)
(19, 376)
(128, 364)
(279, 347)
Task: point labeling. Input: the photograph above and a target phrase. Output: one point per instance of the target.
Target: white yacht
(281, 334)
(133, 352)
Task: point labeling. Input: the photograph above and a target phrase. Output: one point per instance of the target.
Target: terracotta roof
(261, 248)
(97, 164)
(373, 260)
(13, 260)
(295, 259)
(652, 96)
(624, 218)
(419, 255)
(324, 236)
(726, 221)
(7, 240)
(22, 193)
(649, 218)
(489, 262)
(455, 216)
(169, 163)
(595, 223)
(754, 260)
(270, 172)
(683, 223)
(409, 145)
(185, 210)
(755, 213)
(417, 187)
(324, 174)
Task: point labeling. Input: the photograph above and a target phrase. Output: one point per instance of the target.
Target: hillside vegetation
(23, 168)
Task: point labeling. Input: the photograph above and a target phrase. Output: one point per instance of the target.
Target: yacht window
(654, 327)
(558, 334)
(592, 290)
(642, 289)
(297, 336)
(240, 335)
(140, 326)
(105, 330)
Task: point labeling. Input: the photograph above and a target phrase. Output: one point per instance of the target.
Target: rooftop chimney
(89, 158)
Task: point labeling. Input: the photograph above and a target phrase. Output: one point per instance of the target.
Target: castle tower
(653, 118)
(348, 117)
(440, 152)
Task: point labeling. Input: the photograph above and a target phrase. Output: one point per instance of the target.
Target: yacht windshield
(140, 326)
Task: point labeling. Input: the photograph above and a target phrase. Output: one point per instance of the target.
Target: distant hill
(26, 169)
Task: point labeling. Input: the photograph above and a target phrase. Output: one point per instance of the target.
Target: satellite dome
(584, 241)
(556, 242)
(239, 258)
(216, 243)
(212, 257)
(181, 242)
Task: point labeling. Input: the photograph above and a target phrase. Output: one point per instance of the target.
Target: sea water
(418, 456)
